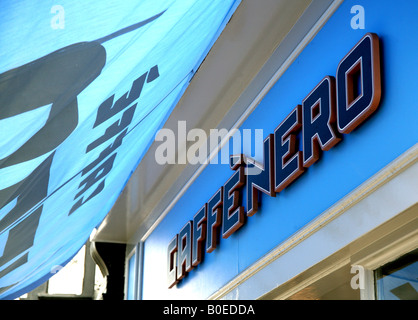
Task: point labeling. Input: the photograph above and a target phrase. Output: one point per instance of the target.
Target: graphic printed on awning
(79, 106)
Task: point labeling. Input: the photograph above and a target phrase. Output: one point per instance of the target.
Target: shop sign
(336, 106)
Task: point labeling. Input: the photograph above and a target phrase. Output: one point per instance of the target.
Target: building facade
(288, 169)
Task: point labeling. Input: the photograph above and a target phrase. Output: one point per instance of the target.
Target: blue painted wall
(388, 133)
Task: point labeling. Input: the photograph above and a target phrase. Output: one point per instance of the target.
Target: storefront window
(398, 280)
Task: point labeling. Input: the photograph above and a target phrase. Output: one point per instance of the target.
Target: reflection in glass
(398, 280)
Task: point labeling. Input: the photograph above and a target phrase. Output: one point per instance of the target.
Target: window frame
(132, 254)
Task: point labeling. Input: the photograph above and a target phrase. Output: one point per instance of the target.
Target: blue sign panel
(340, 113)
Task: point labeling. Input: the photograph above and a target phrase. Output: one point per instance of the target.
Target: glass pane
(131, 278)
(398, 280)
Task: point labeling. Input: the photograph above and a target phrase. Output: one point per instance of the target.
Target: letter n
(263, 180)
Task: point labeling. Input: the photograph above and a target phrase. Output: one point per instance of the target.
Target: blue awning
(84, 87)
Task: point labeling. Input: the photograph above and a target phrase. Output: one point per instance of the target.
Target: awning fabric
(84, 86)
